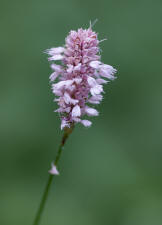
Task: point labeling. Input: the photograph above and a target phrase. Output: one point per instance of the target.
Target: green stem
(67, 132)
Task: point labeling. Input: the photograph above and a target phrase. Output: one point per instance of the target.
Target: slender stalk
(67, 132)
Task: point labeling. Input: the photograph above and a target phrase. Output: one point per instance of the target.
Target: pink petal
(94, 100)
(53, 76)
(76, 111)
(101, 81)
(91, 111)
(67, 109)
(59, 85)
(96, 90)
(97, 98)
(69, 100)
(70, 68)
(76, 119)
(78, 67)
(86, 123)
(63, 83)
(91, 81)
(56, 57)
(57, 68)
(95, 64)
(54, 51)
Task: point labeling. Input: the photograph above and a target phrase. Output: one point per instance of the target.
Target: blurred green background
(111, 173)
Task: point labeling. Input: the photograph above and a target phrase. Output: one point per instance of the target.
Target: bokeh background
(111, 174)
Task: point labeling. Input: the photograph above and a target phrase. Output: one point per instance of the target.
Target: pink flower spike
(78, 81)
(53, 170)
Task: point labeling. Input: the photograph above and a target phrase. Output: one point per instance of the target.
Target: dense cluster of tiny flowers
(79, 77)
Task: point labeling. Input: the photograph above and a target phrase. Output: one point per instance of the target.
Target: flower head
(79, 77)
